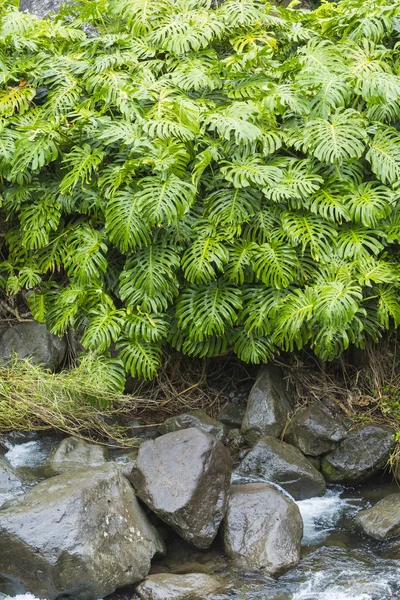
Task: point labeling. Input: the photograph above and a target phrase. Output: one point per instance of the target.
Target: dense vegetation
(204, 178)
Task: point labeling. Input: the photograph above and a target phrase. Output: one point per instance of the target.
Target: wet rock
(183, 477)
(10, 483)
(167, 586)
(41, 8)
(315, 461)
(73, 453)
(33, 340)
(362, 454)
(268, 406)
(285, 465)
(382, 521)
(198, 419)
(235, 440)
(81, 534)
(262, 529)
(232, 415)
(139, 429)
(314, 430)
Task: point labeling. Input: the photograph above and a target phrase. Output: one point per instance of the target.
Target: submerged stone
(10, 482)
(74, 453)
(168, 586)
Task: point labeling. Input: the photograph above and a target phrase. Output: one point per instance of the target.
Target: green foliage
(208, 178)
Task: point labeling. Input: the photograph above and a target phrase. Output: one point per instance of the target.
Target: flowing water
(338, 562)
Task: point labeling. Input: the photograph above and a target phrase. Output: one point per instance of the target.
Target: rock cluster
(95, 526)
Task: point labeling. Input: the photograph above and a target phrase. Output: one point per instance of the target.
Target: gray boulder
(382, 521)
(184, 477)
(79, 534)
(196, 418)
(232, 415)
(10, 483)
(285, 465)
(268, 406)
(168, 586)
(74, 453)
(262, 529)
(314, 430)
(362, 454)
(33, 340)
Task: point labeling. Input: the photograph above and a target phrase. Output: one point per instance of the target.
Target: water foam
(29, 454)
(19, 597)
(321, 515)
(322, 586)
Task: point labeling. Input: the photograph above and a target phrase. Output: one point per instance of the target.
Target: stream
(338, 562)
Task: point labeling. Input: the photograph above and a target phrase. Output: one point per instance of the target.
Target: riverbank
(338, 562)
(216, 480)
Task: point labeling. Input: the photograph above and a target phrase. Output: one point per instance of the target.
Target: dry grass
(365, 393)
(186, 384)
(80, 401)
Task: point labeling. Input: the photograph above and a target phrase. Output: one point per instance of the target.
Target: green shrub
(205, 178)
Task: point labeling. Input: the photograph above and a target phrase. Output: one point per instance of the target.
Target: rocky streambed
(266, 503)
(338, 561)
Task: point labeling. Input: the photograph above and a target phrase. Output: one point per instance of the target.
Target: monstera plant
(209, 179)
